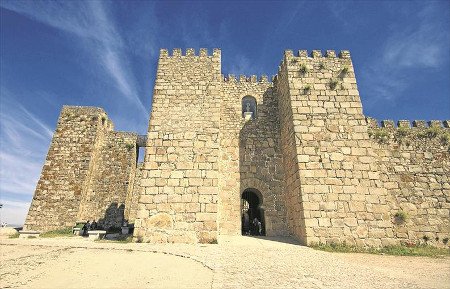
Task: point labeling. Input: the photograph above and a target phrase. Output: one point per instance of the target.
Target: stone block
(160, 221)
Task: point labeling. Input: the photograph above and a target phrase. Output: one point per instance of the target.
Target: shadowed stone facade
(296, 152)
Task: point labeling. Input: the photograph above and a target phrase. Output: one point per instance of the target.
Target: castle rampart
(415, 170)
(296, 153)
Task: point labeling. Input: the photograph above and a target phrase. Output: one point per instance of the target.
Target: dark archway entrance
(251, 202)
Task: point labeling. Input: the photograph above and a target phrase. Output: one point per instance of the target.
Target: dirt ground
(236, 262)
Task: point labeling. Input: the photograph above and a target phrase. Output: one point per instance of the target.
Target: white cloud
(13, 212)
(422, 44)
(424, 47)
(24, 140)
(91, 22)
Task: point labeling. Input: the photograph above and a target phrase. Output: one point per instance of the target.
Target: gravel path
(236, 262)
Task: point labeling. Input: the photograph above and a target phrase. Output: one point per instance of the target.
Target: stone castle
(296, 152)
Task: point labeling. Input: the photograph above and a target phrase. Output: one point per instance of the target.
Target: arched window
(249, 108)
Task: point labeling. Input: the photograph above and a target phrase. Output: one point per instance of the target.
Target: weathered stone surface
(321, 170)
(160, 221)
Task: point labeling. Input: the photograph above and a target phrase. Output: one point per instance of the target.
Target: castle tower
(88, 174)
(68, 168)
(179, 183)
(332, 181)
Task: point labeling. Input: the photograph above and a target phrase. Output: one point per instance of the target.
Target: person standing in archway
(257, 226)
(245, 224)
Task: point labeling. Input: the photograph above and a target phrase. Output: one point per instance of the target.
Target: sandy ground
(236, 262)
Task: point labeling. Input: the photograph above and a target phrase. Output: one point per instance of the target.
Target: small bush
(306, 89)
(303, 69)
(79, 225)
(344, 71)
(426, 238)
(432, 132)
(14, 236)
(400, 217)
(445, 240)
(380, 135)
(333, 83)
(402, 132)
(129, 146)
(321, 66)
(445, 139)
(213, 241)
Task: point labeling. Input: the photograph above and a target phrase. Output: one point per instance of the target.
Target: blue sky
(104, 53)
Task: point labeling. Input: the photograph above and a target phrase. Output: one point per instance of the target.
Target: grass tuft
(400, 250)
(65, 232)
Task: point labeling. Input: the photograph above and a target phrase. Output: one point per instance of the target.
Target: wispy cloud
(24, 140)
(423, 44)
(92, 23)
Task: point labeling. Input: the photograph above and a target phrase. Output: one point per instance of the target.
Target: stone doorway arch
(251, 208)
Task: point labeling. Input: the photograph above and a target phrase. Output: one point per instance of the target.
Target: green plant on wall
(129, 146)
(321, 66)
(380, 135)
(344, 72)
(303, 69)
(432, 132)
(306, 89)
(333, 83)
(400, 217)
(445, 138)
(401, 133)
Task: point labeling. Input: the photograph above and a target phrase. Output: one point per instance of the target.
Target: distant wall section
(415, 170)
(88, 170)
(68, 168)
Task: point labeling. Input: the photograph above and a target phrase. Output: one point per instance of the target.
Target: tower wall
(179, 182)
(332, 180)
(415, 170)
(111, 184)
(68, 168)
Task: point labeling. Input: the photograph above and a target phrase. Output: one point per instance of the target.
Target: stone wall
(112, 183)
(180, 174)
(332, 182)
(321, 171)
(415, 170)
(68, 168)
(250, 156)
(88, 173)
(131, 210)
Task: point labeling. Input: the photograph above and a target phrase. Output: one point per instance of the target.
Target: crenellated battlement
(373, 123)
(343, 54)
(189, 52)
(244, 78)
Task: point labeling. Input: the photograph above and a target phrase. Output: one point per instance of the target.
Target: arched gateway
(251, 209)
